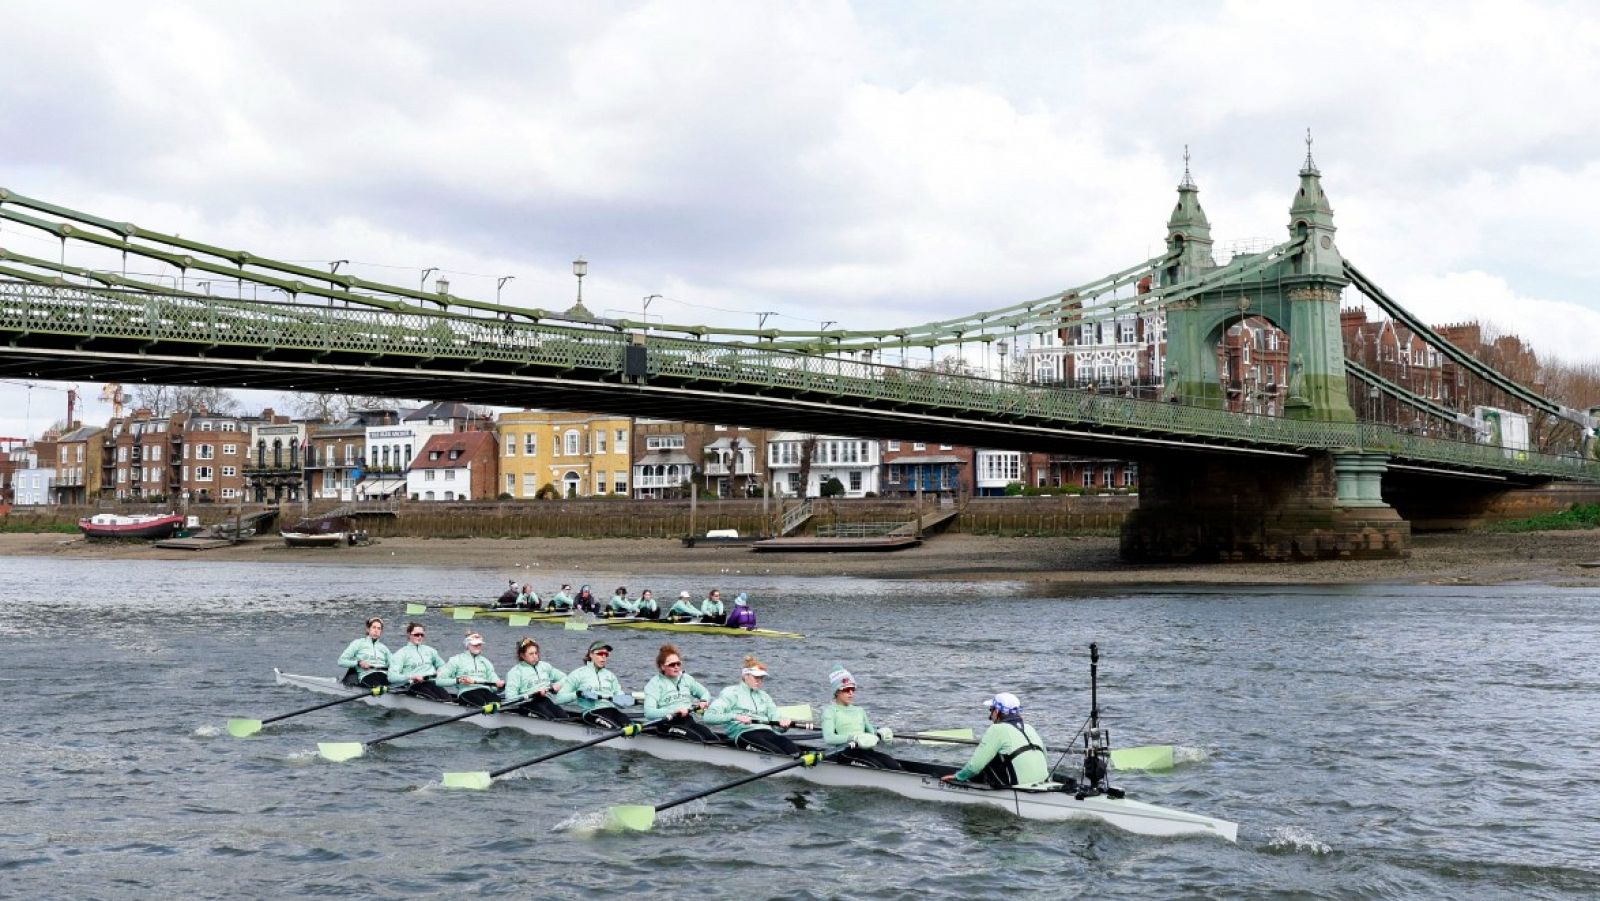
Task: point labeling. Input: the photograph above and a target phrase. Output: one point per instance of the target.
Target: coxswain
(748, 715)
(672, 696)
(1010, 754)
(619, 605)
(561, 601)
(586, 601)
(845, 726)
(684, 610)
(415, 665)
(470, 676)
(647, 608)
(742, 616)
(711, 609)
(529, 599)
(508, 598)
(596, 690)
(366, 658)
(531, 682)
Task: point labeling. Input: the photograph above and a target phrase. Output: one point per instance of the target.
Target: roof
(924, 459)
(445, 409)
(664, 458)
(470, 445)
(82, 434)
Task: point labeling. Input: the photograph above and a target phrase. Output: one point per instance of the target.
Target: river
(1388, 741)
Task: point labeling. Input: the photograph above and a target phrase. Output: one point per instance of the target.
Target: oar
(242, 728)
(481, 780)
(642, 816)
(339, 751)
(941, 736)
(1145, 757)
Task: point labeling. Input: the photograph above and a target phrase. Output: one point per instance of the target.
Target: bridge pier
(1208, 509)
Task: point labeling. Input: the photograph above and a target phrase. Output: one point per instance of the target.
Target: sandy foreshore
(1468, 558)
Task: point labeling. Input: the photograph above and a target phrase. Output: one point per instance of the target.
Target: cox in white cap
(1005, 703)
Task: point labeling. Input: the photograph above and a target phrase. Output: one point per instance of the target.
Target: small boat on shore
(319, 531)
(919, 781)
(142, 526)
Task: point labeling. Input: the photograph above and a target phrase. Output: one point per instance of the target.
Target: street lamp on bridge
(423, 284)
(499, 284)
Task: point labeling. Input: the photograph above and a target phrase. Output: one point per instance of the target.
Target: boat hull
(652, 625)
(317, 539)
(146, 529)
(1134, 816)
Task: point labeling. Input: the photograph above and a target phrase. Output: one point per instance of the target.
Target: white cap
(1005, 702)
(752, 671)
(685, 594)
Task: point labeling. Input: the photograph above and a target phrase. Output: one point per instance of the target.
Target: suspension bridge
(1310, 483)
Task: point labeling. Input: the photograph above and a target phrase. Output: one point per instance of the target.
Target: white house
(855, 462)
(32, 484)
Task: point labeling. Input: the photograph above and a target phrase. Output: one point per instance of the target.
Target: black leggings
(427, 689)
(686, 728)
(607, 718)
(867, 757)
(542, 707)
(371, 678)
(769, 741)
(477, 696)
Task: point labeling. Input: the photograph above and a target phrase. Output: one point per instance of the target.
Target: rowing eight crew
(1011, 752)
(711, 610)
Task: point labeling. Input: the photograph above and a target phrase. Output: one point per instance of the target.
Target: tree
(808, 449)
(164, 400)
(832, 487)
(330, 407)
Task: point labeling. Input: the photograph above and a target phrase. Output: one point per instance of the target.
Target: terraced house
(553, 454)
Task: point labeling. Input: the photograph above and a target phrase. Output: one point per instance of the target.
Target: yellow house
(564, 454)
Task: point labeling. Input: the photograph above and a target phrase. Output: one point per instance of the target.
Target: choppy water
(1392, 741)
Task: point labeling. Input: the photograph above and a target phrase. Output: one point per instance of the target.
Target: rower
(747, 713)
(684, 610)
(647, 608)
(470, 676)
(586, 602)
(508, 598)
(415, 665)
(532, 681)
(596, 690)
(1010, 754)
(561, 601)
(711, 610)
(672, 696)
(845, 726)
(619, 605)
(366, 658)
(529, 599)
(742, 616)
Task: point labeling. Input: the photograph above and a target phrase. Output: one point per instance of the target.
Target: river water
(1371, 741)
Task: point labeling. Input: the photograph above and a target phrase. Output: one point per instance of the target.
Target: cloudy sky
(868, 164)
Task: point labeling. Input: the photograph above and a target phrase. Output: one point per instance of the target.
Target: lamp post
(580, 268)
(442, 285)
(1002, 347)
(645, 312)
(423, 284)
(499, 284)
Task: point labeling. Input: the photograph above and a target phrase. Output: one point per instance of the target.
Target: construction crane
(112, 394)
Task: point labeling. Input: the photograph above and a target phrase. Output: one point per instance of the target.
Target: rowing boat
(918, 781)
(466, 612)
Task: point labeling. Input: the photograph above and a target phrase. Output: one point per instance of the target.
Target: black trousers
(769, 741)
(686, 728)
(477, 696)
(607, 718)
(366, 678)
(867, 757)
(426, 689)
(542, 707)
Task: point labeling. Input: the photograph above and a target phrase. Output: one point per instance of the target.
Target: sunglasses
(600, 654)
(419, 635)
(850, 688)
(673, 663)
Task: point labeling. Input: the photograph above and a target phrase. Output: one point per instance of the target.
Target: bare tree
(163, 400)
(337, 407)
(808, 450)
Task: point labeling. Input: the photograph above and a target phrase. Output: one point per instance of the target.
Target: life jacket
(1002, 768)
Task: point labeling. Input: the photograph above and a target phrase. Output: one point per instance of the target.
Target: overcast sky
(869, 164)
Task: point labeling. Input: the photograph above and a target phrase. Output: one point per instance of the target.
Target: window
(122, 454)
(434, 455)
(600, 441)
(1108, 474)
(229, 472)
(203, 473)
(204, 452)
(530, 445)
(455, 454)
(599, 483)
(511, 483)
(919, 446)
(230, 492)
(663, 442)
(227, 427)
(855, 480)
(155, 453)
(622, 439)
(572, 442)
(449, 475)
(1088, 477)
(620, 486)
(530, 484)
(511, 445)
(122, 476)
(428, 475)
(894, 475)
(947, 447)
(1130, 473)
(894, 445)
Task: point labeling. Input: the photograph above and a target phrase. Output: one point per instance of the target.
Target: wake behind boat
(918, 781)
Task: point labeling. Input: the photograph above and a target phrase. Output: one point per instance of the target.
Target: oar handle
(370, 693)
(793, 724)
(943, 739)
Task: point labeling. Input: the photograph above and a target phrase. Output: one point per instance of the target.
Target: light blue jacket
(590, 687)
(525, 680)
(364, 648)
(413, 660)
(663, 696)
(737, 699)
(467, 664)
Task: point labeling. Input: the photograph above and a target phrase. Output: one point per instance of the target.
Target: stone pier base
(1212, 508)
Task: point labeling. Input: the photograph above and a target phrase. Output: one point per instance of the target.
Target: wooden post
(766, 521)
(238, 516)
(694, 501)
(919, 508)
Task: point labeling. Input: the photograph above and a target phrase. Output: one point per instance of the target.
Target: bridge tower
(1207, 507)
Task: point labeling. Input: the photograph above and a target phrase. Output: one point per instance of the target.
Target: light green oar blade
(957, 734)
(462, 613)
(478, 781)
(521, 620)
(576, 626)
(243, 728)
(340, 751)
(638, 817)
(800, 713)
(416, 609)
(1147, 757)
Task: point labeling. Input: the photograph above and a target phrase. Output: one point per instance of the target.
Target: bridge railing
(598, 351)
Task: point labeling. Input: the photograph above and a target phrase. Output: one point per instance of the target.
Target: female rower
(471, 676)
(415, 665)
(586, 601)
(742, 616)
(532, 681)
(561, 601)
(684, 610)
(711, 610)
(672, 695)
(1010, 753)
(647, 608)
(596, 690)
(366, 658)
(529, 599)
(747, 713)
(619, 605)
(845, 725)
